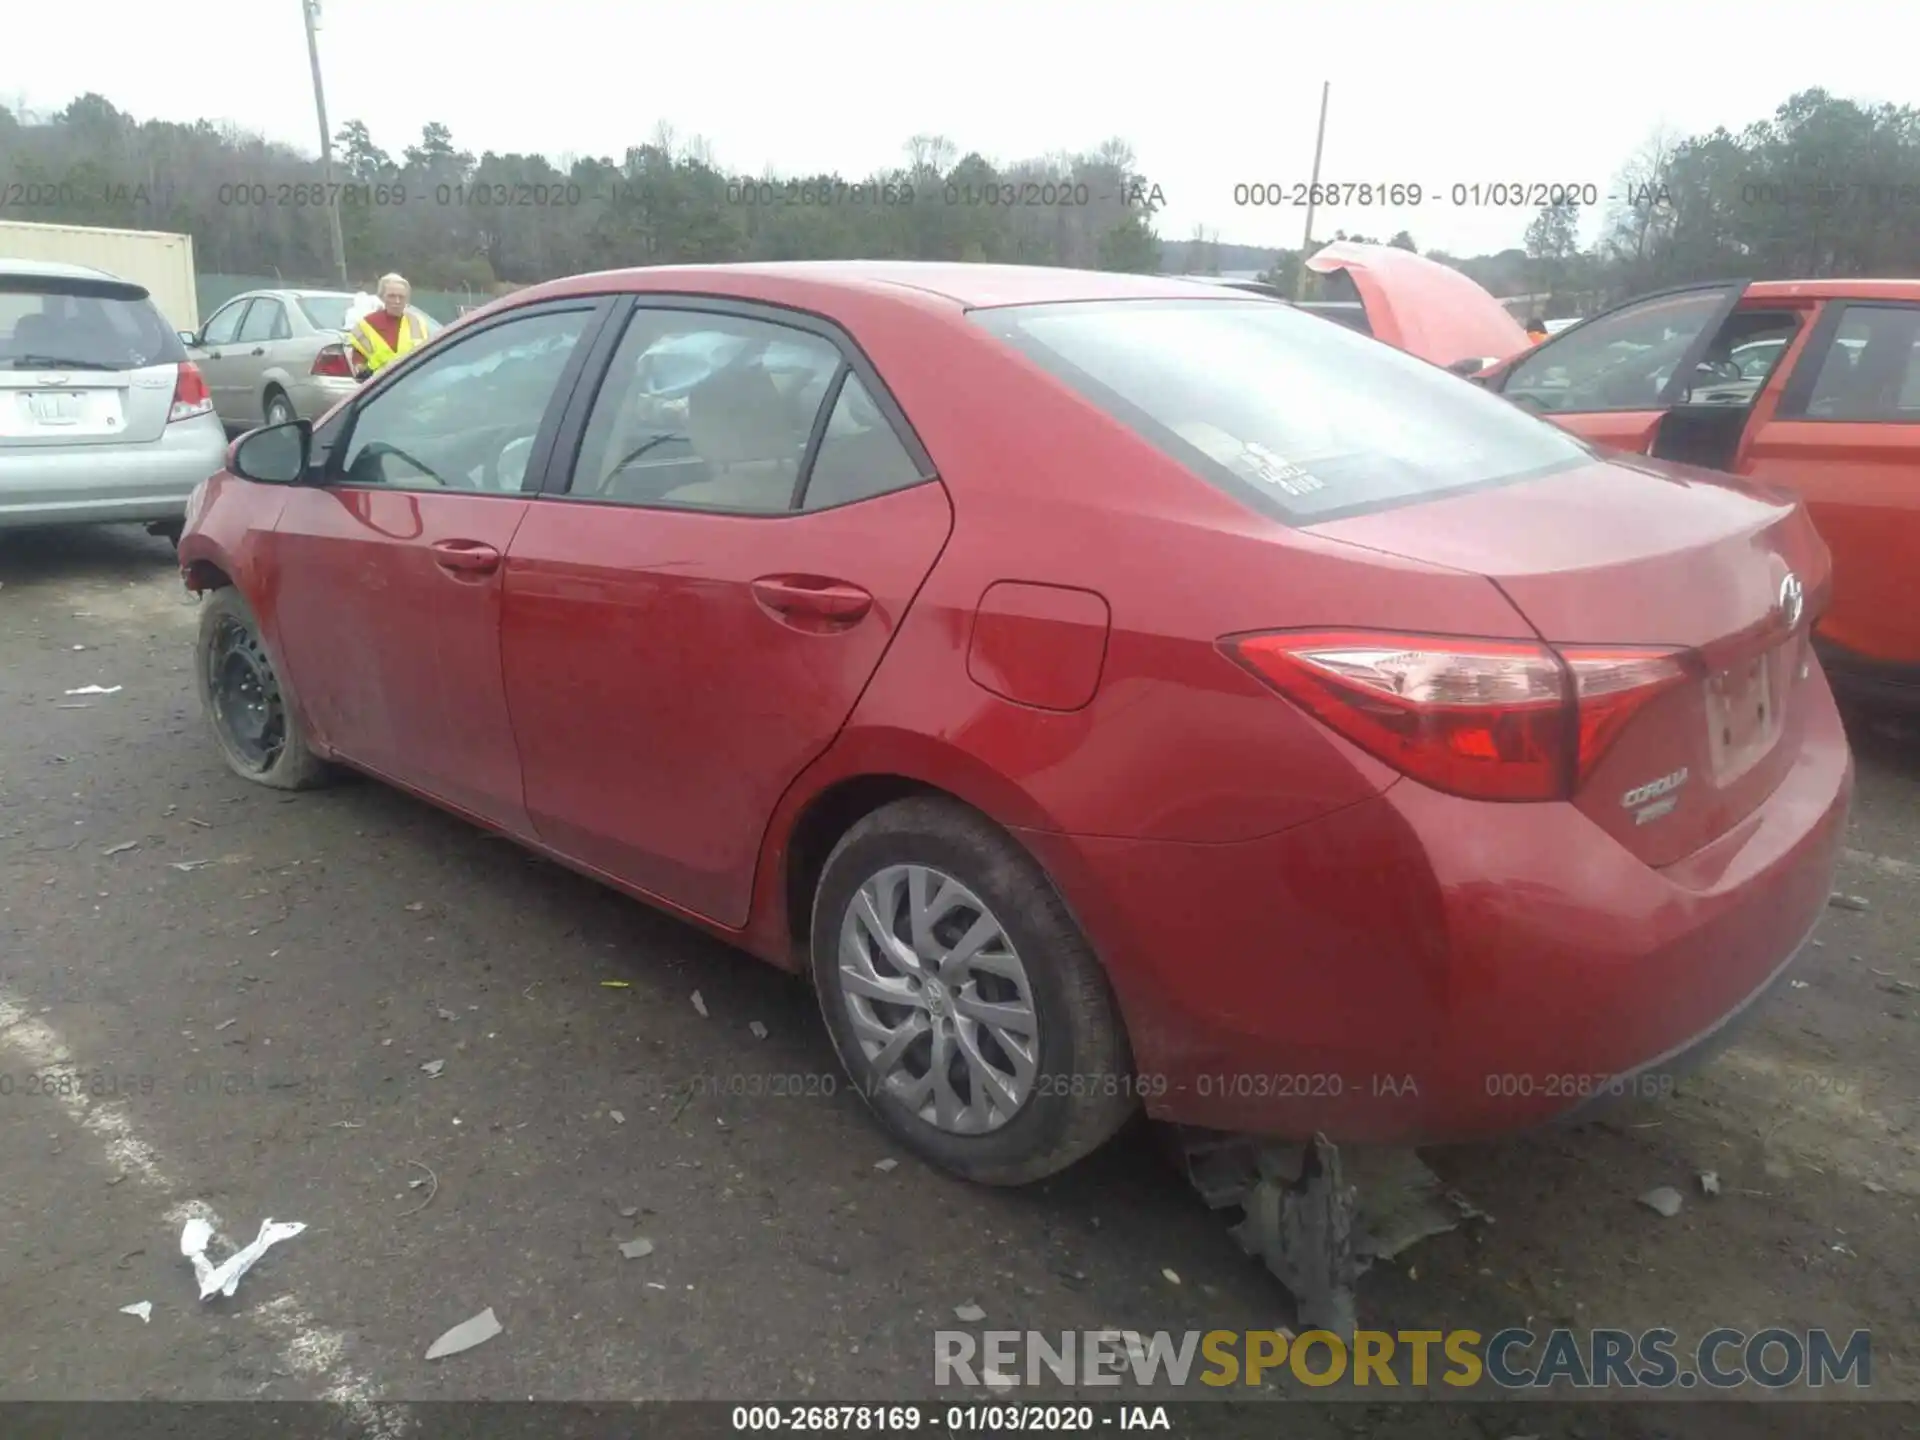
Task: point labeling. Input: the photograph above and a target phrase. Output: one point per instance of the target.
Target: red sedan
(1112, 690)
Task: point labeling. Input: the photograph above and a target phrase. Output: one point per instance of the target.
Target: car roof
(969, 286)
(54, 270)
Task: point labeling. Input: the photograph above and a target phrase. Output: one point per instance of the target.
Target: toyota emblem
(1792, 600)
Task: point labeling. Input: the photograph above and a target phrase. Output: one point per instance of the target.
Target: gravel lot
(264, 976)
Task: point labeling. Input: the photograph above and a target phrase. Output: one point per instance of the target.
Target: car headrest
(738, 415)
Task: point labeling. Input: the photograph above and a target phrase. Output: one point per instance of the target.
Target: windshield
(326, 312)
(81, 325)
(1305, 421)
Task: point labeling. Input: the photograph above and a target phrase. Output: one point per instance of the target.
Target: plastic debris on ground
(144, 1310)
(699, 1004)
(1709, 1182)
(1663, 1201)
(96, 690)
(467, 1334)
(121, 848)
(188, 864)
(433, 1067)
(224, 1279)
(637, 1249)
(617, 984)
(972, 1314)
(1849, 902)
(885, 1165)
(757, 1030)
(618, 1118)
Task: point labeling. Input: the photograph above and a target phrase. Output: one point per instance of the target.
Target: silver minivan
(103, 418)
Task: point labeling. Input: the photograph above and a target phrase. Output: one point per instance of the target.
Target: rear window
(49, 324)
(326, 312)
(1303, 420)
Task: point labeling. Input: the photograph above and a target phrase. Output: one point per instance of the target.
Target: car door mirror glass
(274, 454)
(189, 338)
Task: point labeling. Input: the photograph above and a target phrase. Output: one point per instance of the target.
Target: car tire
(1078, 1085)
(247, 704)
(278, 409)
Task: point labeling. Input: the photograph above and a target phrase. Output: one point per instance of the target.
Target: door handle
(807, 595)
(259, 350)
(466, 556)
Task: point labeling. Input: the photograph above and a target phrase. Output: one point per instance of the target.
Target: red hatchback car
(1113, 690)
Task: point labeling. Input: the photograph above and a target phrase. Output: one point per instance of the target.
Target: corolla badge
(1659, 792)
(1793, 600)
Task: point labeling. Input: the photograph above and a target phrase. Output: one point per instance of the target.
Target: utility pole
(1313, 189)
(311, 10)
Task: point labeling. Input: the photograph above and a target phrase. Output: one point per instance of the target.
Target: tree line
(1826, 186)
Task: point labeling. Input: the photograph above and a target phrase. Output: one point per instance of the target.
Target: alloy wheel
(940, 1001)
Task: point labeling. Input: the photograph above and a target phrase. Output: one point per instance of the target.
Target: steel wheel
(280, 410)
(247, 705)
(940, 1002)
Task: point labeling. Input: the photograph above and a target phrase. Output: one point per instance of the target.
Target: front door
(387, 601)
(1613, 378)
(1846, 436)
(252, 353)
(218, 358)
(691, 619)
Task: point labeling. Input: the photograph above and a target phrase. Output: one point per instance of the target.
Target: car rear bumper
(314, 395)
(1418, 968)
(104, 484)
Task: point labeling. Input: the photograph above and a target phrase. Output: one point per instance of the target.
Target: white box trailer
(161, 262)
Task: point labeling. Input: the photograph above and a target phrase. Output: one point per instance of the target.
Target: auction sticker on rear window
(1260, 463)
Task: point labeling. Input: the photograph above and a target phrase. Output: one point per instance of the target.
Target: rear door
(1846, 436)
(386, 587)
(692, 612)
(1611, 379)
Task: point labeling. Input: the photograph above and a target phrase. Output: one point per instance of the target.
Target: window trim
(1685, 365)
(563, 459)
(597, 308)
(1798, 392)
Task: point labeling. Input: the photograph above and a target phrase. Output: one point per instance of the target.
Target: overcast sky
(1210, 94)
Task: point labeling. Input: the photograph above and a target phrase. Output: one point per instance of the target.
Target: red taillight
(332, 360)
(1489, 719)
(190, 397)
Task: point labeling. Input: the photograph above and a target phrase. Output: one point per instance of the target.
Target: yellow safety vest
(373, 347)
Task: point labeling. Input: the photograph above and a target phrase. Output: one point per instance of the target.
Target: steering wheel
(380, 449)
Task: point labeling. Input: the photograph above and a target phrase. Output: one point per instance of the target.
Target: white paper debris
(699, 1004)
(637, 1249)
(1709, 1182)
(225, 1023)
(144, 1310)
(1172, 1279)
(618, 1118)
(1665, 1200)
(188, 864)
(433, 1067)
(757, 1030)
(121, 848)
(885, 1165)
(96, 690)
(225, 1279)
(972, 1314)
(467, 1334)
(1798, 984)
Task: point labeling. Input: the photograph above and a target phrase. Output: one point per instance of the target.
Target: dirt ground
(260, 978)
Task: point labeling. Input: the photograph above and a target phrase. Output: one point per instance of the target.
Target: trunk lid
(62, 409)
(1641, 553)
(1423, 307)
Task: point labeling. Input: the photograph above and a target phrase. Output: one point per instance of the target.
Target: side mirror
(274, 454)
(189, 338)
(1471, 365)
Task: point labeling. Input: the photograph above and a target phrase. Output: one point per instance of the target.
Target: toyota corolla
(1110, 690)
